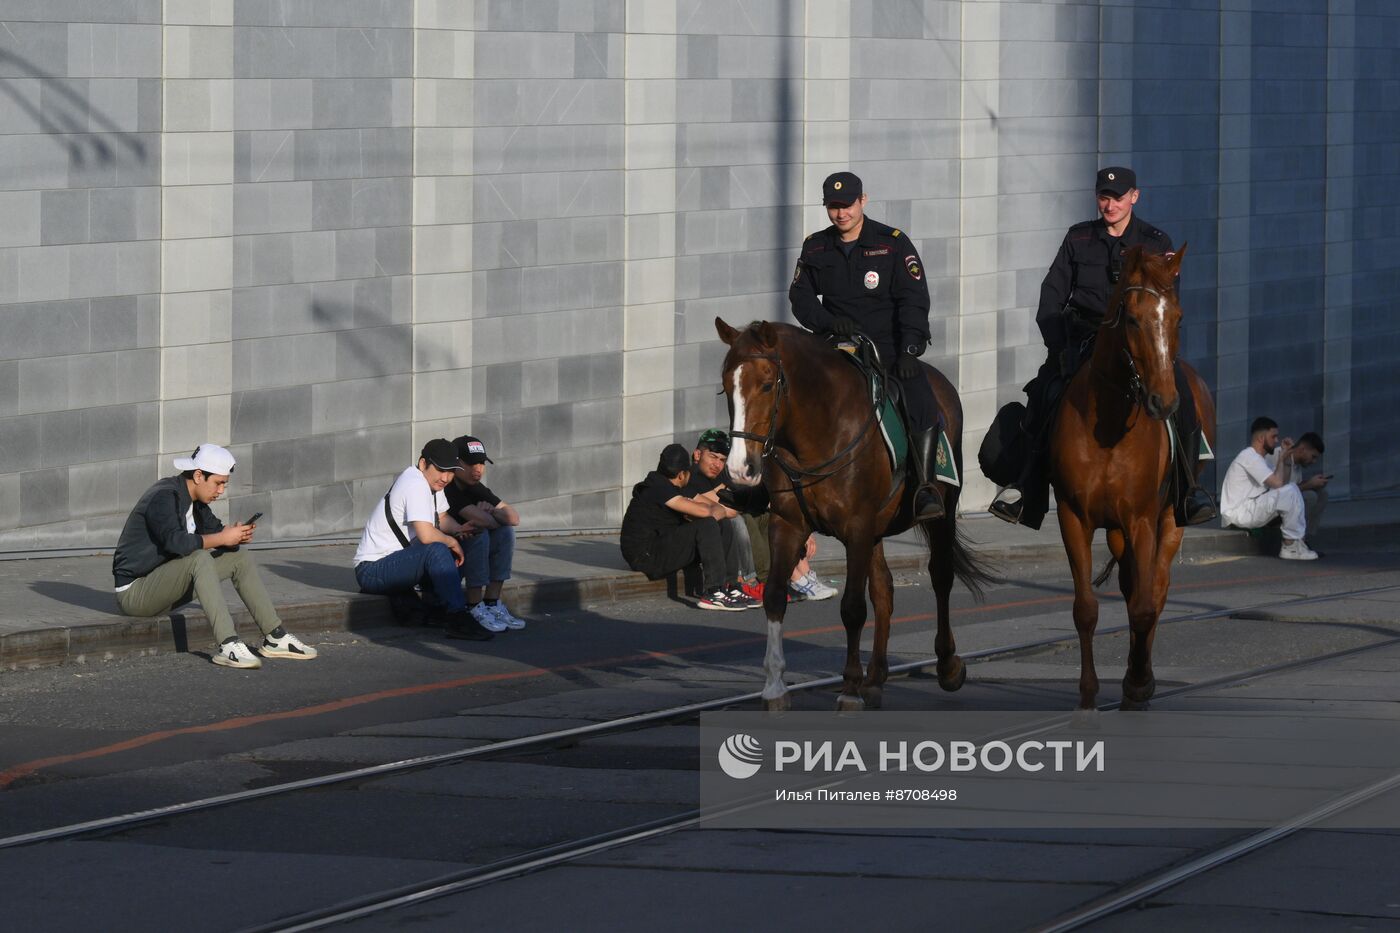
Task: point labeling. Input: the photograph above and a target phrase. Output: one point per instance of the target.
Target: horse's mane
(1155, 269)
(756, 333)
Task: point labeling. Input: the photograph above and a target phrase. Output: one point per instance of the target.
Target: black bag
(1006, 446)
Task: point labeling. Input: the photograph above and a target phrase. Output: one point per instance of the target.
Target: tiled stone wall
(323, 232)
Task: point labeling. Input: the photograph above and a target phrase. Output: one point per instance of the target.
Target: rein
(796, 474)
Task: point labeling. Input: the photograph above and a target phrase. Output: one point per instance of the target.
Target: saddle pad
(896, 437)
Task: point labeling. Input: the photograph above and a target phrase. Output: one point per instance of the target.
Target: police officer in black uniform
(860, 275)
(1073, 302)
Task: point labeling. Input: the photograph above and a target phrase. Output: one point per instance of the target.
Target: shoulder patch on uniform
(894, 232)
(1154, 232)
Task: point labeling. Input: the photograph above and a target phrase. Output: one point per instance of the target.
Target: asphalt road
(85, 741)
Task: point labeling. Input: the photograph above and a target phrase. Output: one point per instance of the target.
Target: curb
(184, 632)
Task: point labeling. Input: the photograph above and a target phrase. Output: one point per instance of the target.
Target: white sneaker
(503, 615)
(486, 618)
(1296, 550)
(236, 654)
(821, 590)
(288, 646)
(811, 588)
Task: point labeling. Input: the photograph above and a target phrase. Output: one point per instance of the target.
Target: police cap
(841, 188)
(1115, 180)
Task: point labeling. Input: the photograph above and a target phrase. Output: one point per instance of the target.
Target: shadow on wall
(72, 116)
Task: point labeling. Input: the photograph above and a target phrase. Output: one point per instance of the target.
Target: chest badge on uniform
(872, 279)
(912, 264)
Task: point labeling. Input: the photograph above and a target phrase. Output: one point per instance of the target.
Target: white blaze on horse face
(739, 452)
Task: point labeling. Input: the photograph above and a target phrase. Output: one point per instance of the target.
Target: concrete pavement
(56, 610)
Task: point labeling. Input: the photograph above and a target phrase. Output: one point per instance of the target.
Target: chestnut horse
(1111, 463)
(801, 415)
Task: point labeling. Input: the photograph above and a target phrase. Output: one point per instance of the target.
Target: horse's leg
(783, 542)
(951, 670)
(1139, 591)
(859, 550)
(1078, 538)
(882, 598)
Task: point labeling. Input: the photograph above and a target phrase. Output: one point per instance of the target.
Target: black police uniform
(1073, 303)
(881, 286)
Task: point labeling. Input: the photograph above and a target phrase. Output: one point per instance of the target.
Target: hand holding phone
(254, 519)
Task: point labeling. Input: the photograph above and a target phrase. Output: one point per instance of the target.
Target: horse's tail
(972, 570)
(1106, 572)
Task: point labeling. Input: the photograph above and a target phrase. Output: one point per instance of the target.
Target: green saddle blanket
(892, 428)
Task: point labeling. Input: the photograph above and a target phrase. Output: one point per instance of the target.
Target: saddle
(887, 399)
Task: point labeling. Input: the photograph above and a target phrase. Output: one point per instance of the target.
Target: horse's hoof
(778, 704)
(954, 677)
(873, 696)
(1129, 705)
(846, 703)
(1085, 720)
(1139, 693)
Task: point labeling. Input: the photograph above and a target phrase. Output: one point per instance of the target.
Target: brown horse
(1111, 462)
(809, 433)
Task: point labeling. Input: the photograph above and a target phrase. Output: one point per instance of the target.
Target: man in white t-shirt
(403, 544)
(1254, 492)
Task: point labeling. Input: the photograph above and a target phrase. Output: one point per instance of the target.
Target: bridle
(780, 388)
(794, 473)
(1136, 391)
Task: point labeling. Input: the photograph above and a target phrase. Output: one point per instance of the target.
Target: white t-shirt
(411, 499)
(1244, 480)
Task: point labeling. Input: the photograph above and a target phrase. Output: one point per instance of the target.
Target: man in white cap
(173, 548)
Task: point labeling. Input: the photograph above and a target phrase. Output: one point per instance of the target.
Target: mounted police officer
(860, 275)
(1073, 302)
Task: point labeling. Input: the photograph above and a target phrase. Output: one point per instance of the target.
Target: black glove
(842, 326)
(906, 367)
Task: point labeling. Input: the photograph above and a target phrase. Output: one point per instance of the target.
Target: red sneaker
(752, 590)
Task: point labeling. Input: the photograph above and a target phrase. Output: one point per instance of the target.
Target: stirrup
(932, 508)
(1198, 508)
(1007, 509)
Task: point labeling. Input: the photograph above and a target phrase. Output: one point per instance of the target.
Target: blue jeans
(489, 554)
(429, 564)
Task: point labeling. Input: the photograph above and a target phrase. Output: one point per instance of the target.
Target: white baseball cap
(210, 459)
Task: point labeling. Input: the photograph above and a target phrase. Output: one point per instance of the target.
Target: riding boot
(928, 503)
(1194, 505)
(1011, 501)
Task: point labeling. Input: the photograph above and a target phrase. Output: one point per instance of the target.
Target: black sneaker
(461, 624)
(740, 598)
(722, 601)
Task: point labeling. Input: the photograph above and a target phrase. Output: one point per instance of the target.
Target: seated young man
(664, 530)
(746, 511)
(403, 545)
(1307, 451)
(173, 548)
(1254, 493)
(486, 530)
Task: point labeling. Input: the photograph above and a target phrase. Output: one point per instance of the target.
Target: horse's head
(754, 385)
(1144, 307)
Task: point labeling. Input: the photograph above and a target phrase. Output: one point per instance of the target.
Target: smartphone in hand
(254, 519)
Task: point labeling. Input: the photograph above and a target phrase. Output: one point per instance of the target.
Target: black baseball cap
(841, 188)
(714, 439)
(441, 454)
(1115, 180)
(471, 450)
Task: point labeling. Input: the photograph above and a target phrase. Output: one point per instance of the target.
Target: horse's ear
(767, 335)
(726, 333)
(1176, 258)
